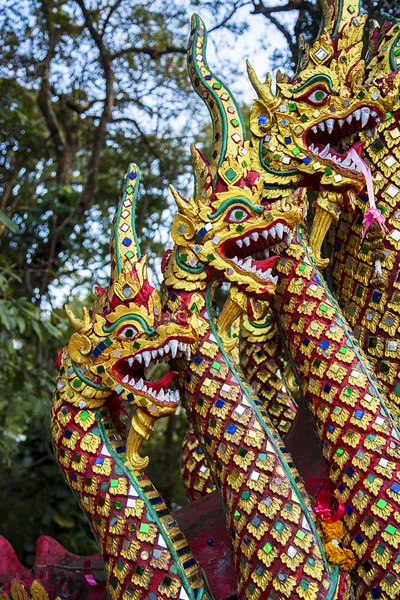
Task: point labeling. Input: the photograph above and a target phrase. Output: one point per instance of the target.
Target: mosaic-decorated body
(261, 357)
(370, 304)
(359, 439)
(276, 546)
(144, 550)
(277, 549)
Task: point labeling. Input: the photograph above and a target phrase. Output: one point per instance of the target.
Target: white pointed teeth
(329, 124)
(359, 119)
(279, 230)
(146, 358)
(174, 348)
(239, 243)
(365, 114)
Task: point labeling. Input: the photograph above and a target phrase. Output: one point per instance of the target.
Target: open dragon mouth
(131, 370)
(332, 138)
(257, 251)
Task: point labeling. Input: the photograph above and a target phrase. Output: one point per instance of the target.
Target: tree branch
(113, 8)
(57, 133)
(261, 9)
(154, 53)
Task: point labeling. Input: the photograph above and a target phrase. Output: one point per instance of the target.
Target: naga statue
(277, 547)
(245, 366)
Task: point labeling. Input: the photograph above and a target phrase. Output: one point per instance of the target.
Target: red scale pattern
(358, 437)
(276, 552)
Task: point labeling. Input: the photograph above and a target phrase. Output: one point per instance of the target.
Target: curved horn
(124, 242)
(78, 324)
(229, 130)
(264, 90)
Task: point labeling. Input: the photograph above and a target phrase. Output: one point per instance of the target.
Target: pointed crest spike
(335, 14)
(228, 124)
(124, 242)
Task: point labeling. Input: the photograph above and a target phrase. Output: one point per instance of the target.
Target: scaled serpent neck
(267, 510)
(145, 550)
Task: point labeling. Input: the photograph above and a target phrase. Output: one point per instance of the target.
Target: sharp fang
(125, 379)
(174, 347)
(272, 232)
(247, 241)
(132, 382)
(130, 361)
(144, 388)
(357, 114)
(146, 358)
(329, 124)
(254, 236)
(139, 384)
(311, 148)
(167, 348)
(325, 151)
(321, 126)
(347, 161)
(279, 229)
(365, 113)
(188, 353)
(139, 358)
(239, 243)
(314, 129)
(247, 264)
(154, 353)
(374, 113)
(161, 394)
(265, 234)
(161, 351)
(349, 118)
(151, 392)
(341, 122)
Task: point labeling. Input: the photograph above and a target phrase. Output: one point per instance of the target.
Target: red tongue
(164, 382)
(358, 147)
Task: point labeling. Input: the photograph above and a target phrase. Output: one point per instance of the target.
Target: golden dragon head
(225, 227)
(303, 132)
(117, 346)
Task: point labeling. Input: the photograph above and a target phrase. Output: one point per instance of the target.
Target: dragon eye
(128, 332)
(237, 215)
(317, 96)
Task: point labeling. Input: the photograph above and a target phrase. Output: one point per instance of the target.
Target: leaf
(37, 330)
(5, 316)
(64, 520)
(13, 227)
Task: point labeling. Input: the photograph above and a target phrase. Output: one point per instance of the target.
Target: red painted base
(74, 577)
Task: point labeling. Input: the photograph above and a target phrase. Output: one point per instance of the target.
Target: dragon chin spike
(124, 242)
(228, 124)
